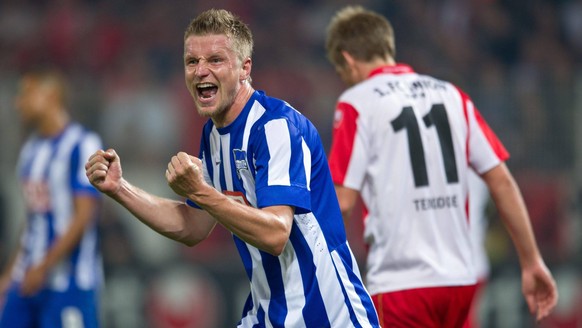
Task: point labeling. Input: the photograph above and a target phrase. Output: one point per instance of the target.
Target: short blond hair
(220, 21)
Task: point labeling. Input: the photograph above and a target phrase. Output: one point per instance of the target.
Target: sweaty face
(213, 73)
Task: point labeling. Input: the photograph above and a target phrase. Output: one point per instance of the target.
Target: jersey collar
(398, 68)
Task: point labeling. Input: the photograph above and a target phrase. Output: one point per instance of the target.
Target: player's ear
(348, 58)
(246, 69)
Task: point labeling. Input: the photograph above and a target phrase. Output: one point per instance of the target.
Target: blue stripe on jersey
(280, 195)
(245, 255)
(25, 162)
(76, 163)
(222, 172)
(278, 305)
(315, 314)
(261, 318)
(345, 254)
(74, 256)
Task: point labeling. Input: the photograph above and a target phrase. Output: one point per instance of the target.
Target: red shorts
(432, 307)
(473, 317)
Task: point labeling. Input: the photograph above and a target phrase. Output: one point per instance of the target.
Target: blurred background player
(263, 175)
(406, 142)
(55, 274)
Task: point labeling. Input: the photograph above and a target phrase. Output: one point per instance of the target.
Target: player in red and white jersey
(405, 143)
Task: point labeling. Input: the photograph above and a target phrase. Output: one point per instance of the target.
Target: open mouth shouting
(206, 91)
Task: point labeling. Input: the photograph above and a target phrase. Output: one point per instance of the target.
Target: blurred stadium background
(520, 60)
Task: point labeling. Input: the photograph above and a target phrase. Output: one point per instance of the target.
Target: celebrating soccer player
(263, 175)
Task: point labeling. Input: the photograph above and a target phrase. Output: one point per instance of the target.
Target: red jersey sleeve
(344, 133)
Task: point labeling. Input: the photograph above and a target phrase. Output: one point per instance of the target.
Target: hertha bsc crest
(240, 161)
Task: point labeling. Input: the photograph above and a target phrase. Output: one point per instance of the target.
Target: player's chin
(207, 110)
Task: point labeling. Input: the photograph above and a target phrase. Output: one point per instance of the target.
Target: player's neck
(368, 67)
(242, 97)
(361, 70)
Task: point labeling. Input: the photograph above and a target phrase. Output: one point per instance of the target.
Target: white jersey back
(406, 141)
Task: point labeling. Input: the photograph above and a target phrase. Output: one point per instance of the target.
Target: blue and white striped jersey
(272, 155)
(52, 173)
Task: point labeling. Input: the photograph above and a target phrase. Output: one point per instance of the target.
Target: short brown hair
(220, 21)
(362, 33)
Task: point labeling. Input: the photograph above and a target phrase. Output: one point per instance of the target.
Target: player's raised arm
(171, 218)
(267, 228)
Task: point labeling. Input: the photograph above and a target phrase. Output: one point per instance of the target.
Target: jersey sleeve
(87, 145)
(282, 163)
(348, 143)
(484, 149)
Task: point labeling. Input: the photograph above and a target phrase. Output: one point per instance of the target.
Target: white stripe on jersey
(61, 200)
(40, 227)
(257, 110)
(350, 290)
(296, 303)
(40, 161)
(279, 144)
(330, 288)
(215, 143)
(260, 290)
(248, 320)
(86, 149)
(86, 277)
(38, 239)
(306, 162)
(247, 178)
(225, 149)
(205, 170)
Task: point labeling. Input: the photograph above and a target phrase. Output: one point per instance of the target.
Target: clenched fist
(185, 175)
(104, 171)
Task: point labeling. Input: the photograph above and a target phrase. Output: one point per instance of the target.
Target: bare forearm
(347, 199)
(162, 215)
(513, 212)
(267, 229)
